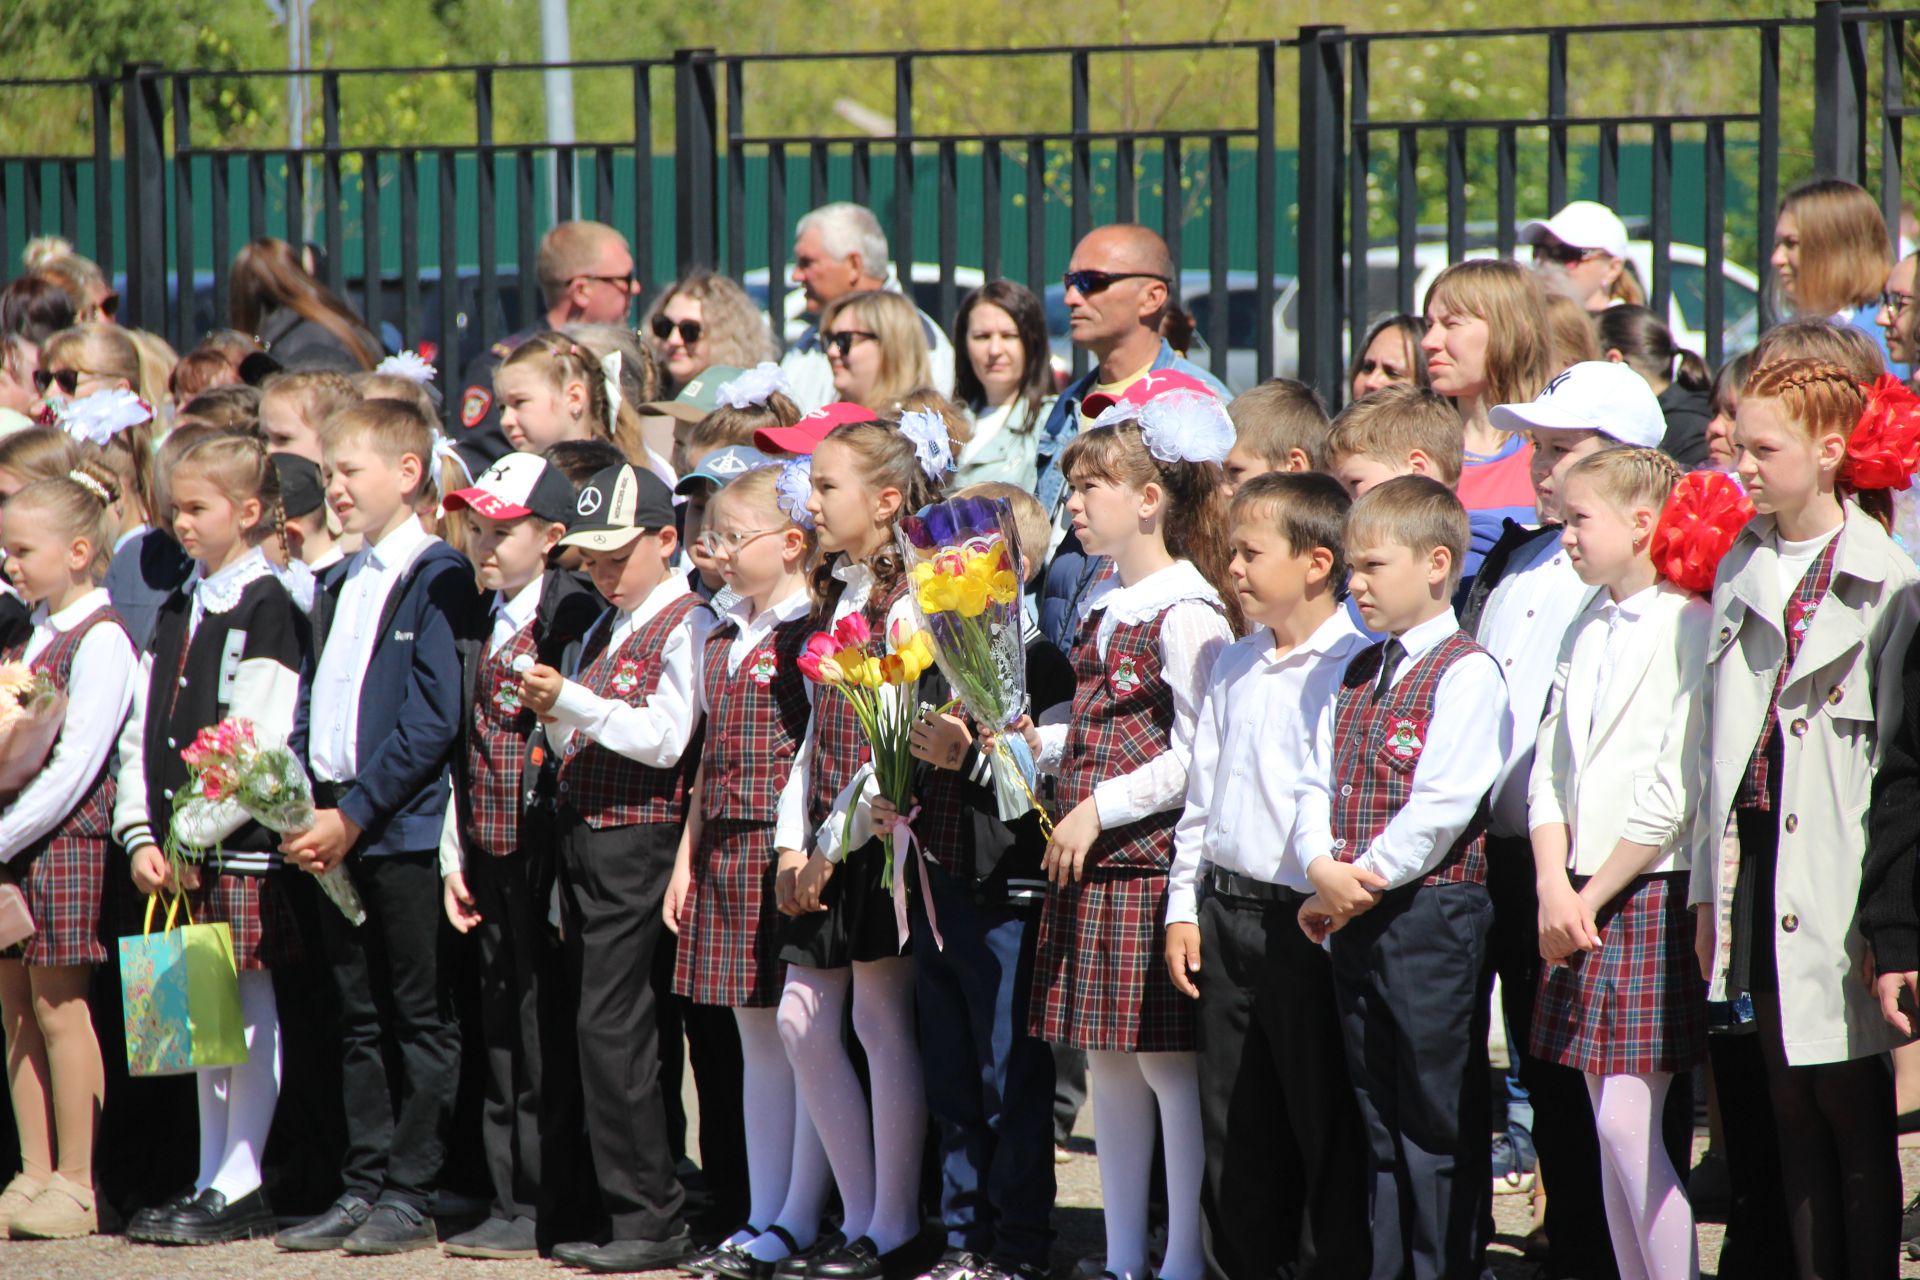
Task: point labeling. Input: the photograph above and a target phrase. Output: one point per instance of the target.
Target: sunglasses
(690, 330)
(67, 379)
(844, 341)
(1087, 283)
(627, 283)
(1566, 255)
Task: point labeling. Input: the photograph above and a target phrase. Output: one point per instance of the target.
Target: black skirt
(858, 923)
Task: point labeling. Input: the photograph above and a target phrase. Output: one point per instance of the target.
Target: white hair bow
(1180, 426)
(409, 365)
(103, 415)
(610, 370)
(795, 487)
(754, 386)
(932, 446)
(444, 450)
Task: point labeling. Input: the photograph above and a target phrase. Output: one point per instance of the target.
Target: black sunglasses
(1086, 283)
(69, 380)
(690, 330)
(628, 282)
(1566, 255)
(844, 340)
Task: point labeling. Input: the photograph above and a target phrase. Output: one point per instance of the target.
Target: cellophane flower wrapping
(963, 559)
(230, 775)
(31, 714)
(1704, 515)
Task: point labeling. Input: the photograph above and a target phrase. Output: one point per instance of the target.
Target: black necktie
(1389, 661)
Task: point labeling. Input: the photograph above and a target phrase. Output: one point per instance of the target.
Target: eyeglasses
(844, 340)
(67, 379)
(690, 330)
(1566, 255)
(1087, 283)
(628, 283)
(1895, 301)
(713, 543)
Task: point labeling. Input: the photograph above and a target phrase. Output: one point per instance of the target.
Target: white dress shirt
(333, 732)
(513, 612)
(99, 693)
(1620, 618)
(655, 732)
(1193, 635)
(1525, 620)
(750, 632)
(1467, 739)
(1250, 745)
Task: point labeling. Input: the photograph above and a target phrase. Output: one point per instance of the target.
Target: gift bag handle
(174, 904)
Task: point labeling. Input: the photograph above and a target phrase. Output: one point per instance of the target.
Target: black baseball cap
(302, 490)
(617, 506)
(520, 484)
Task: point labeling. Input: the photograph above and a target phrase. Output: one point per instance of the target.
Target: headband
(91, 485)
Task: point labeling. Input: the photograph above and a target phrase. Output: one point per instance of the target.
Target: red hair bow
(1884, 449)
(1701, 520)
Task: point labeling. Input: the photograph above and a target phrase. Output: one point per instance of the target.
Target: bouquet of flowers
(231, 777)
(964, 562)
(876, 685)
(31, 713)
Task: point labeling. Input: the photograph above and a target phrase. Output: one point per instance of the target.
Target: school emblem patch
(1799, 618)
(626, 677)
(1405, 739)
(472, 409)
(1124, 678)
(763, 668)
(507, 698)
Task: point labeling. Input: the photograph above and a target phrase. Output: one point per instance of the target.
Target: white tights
(874, 1150)
(1127, 1089)
(236, 1103)
(1647, 1211)
(786, 1166)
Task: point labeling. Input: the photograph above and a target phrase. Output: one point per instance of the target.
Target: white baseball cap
(1594, 395)
(1584, 225)
(520, 484)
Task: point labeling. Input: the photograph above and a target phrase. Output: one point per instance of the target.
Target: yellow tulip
(1004, 587)
(872, 675)
(938, 595)
(972, 596)
(922, 573)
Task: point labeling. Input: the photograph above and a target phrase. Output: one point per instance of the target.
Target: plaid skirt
(1100, 975)
(1637, 1004)
(729, 921)
(63, 884)
(255, 910)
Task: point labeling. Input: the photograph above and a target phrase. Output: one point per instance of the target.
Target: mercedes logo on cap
(589, 503)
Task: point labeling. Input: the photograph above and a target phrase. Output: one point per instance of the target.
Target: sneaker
(20, 1193)
(62, 1211)
(1513, 1162)
(958, 1264)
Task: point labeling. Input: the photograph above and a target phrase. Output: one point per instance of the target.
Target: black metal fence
(1343, 207)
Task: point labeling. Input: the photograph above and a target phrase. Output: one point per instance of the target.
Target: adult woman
(1487, 343)
(300, 321)
(1635, 337)
(1581, 252)
(1831, 256)
(1004, 383)
(705, 319)
(1390, 354)
(81, 279)
(877, 348)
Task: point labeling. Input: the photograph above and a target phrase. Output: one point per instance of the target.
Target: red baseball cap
(1157, 382)
(804, 435)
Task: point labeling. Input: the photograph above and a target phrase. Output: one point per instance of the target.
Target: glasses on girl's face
(714, 542)
(845, 340)
(1566, 255)
(690, 330)
(68, 380)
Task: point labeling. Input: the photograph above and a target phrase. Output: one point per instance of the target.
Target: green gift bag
(180, 994)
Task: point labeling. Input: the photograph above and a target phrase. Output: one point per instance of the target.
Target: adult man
(1581, 252)
(586, 276)
(1900, 311)
(1117, 286)
(839, 249)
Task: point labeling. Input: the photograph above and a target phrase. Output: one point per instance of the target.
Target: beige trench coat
(1840, 703)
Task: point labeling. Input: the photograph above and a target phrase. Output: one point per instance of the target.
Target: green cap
(699, 397)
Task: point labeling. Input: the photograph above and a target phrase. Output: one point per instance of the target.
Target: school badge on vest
(1124, 678)
(626, 677)
(507, 698)
(1405, 739)
(763, 668)
(1799, 618)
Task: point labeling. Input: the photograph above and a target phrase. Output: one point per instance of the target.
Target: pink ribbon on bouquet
(904, 842)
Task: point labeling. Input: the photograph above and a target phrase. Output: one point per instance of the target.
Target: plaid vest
(93, 817)
(945, 824)
(496, 750)
(839, 744)
(1376, 747)
(1756, 789)
(756, 721)
(604, 787)
(1122, 718)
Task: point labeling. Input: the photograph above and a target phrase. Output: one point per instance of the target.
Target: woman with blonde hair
(877, 347)
(1832, 256)
(705, 319)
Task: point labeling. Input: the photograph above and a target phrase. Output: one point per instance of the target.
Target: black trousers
(1286, 1171)
(1407, 982)
(393, 1007)
(612, 883)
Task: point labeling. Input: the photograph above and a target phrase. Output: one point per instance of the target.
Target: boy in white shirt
(1285, 1188)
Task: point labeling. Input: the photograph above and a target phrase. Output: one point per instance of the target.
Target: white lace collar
(221, 591)
(1149, 597)
(859, 587)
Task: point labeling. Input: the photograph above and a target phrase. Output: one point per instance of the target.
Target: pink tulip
(852, 631)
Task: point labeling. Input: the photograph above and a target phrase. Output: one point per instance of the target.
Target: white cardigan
(1624, 762)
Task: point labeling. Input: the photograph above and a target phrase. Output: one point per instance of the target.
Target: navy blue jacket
(410, 702)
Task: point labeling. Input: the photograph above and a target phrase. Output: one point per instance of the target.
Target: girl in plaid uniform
(228, 643)
(1814, 608)
(1620, 996)
(1146, 492)
(840, 934)
(53, 841)
(721, 899)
